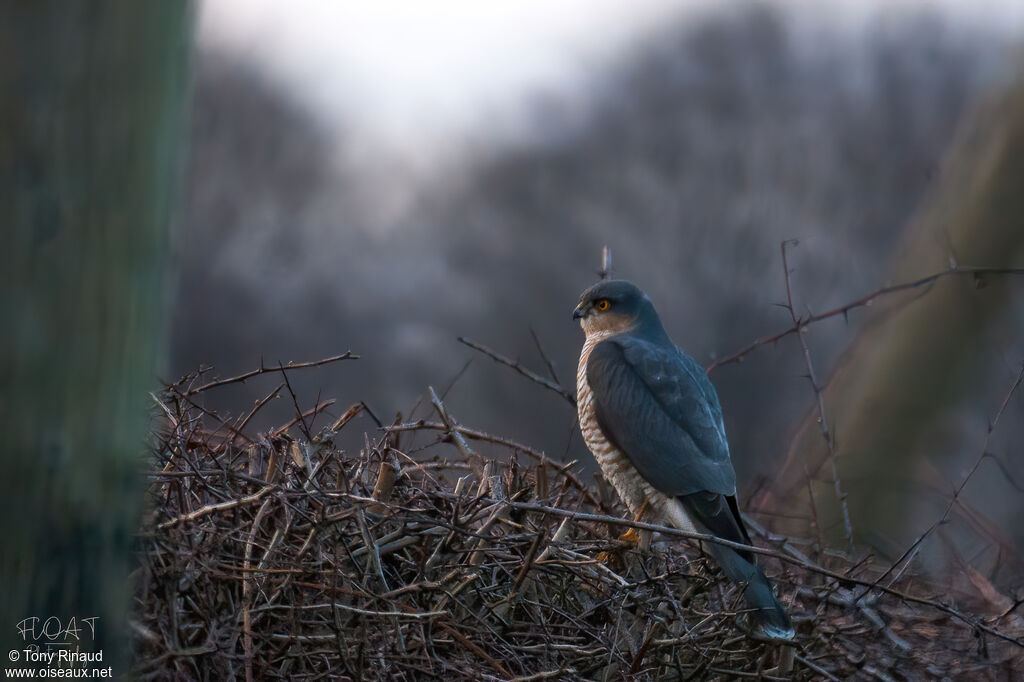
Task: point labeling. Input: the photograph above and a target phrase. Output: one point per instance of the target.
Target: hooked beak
(580, 311)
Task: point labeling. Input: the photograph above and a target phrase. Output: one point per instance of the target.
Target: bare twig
(544, 356)
(605, 272)
(976, 272)
(564, 469)
(279, 431)
(911, 551)
(820, 400)
(264, 370)
(349, 415)
(842, 578)
(529, 374)
(452, 428)
(257, 407)
(247, 590)
(231, 588)
(301, 418)
(221, 506)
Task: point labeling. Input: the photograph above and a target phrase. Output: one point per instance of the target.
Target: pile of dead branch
(284, 555)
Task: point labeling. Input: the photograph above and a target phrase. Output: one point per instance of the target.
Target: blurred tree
(698, 154)
(93, 109)
(892, 393)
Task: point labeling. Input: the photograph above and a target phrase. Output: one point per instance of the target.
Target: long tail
(720, 515)
(767, 614)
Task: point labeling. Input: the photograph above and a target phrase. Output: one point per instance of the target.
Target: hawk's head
(615, 306)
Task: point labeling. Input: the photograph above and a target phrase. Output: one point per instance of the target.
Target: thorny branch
(802, 322)
(911, 551)
(529, 374)
(348, 355)
(968, 619)
(563, 469)
(820, 399)
(479, 586)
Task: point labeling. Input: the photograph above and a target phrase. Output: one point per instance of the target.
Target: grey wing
(663, 414)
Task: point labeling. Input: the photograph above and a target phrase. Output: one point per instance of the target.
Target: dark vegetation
(278, 555)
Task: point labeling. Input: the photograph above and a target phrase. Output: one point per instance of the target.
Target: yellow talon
(632, 536)
(641, 539)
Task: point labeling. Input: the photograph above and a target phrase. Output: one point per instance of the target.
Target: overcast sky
(411, 75)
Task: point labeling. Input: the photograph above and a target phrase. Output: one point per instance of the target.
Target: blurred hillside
(693, 159)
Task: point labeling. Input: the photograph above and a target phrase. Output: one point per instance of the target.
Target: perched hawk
(652, 419)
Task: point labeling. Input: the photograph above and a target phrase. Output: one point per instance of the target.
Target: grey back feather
(656, 404)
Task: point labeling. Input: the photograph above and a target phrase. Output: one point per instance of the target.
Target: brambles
(276, 556)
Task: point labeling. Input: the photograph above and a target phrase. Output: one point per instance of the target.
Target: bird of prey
(651, 417)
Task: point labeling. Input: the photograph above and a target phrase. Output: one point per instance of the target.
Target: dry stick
(544, 356)
(605, 272)
(908, 555)
(247, 591)
(319, 394)
(817, 668)
(295, 420)
(452, 428)
(259, 404)
(469, 644)
(220, 506)
(546, 675)
(564, 469)
(295, 402)
(389, 614)
(705, 537)
(349, 415)
(220, 420)
(348, 355)
(373, 550)
(860, 302)
(451, 384)
(503, 654)
(825, 431)
(166, 410)
(532, 376)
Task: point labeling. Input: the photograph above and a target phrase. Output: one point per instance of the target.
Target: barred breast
(615, 465)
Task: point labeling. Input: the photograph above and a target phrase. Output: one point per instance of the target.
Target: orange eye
(603, 304)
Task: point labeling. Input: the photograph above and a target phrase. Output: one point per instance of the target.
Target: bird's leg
(640, 538)
(632, 535)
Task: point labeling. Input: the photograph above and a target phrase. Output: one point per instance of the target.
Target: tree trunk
(93, 109)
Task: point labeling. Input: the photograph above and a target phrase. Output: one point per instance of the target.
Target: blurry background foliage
(693, 156)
